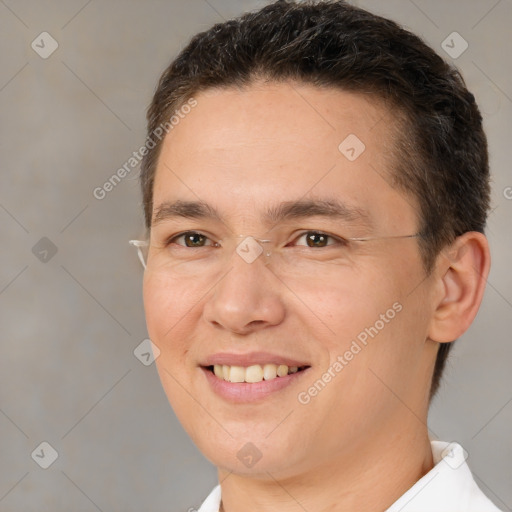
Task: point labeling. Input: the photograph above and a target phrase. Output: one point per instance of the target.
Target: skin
(241, 151)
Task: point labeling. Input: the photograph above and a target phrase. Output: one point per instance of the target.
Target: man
(315, 194)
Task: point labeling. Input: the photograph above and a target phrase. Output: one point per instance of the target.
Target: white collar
(448, 486)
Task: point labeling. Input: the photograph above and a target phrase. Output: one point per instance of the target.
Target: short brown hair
(441, 150)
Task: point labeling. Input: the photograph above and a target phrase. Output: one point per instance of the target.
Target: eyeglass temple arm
(138, 244)
(366, 238)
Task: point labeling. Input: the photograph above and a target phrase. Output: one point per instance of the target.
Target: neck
(369, 477)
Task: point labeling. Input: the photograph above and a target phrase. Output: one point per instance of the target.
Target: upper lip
(250, 358)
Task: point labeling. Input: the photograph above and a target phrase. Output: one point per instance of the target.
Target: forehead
(240, 148)
(264, 116)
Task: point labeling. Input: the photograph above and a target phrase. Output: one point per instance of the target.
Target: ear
(461, 275)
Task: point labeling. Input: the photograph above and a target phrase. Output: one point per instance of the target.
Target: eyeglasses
(197, 260)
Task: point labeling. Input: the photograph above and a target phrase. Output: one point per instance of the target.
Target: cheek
(341, 309)
(371, 323)
(386, 331)
(167, 302)
(158, 307)
(170, 316)
(171, 312)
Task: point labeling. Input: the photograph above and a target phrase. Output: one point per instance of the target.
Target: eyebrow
(287, 210)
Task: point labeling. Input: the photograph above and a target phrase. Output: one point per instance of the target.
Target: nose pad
(265, 257)
(267, 252)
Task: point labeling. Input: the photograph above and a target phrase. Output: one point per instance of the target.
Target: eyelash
(340, 241)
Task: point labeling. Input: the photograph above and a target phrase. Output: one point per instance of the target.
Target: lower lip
(244, 392)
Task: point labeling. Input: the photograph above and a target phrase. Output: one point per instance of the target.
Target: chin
(255, 458)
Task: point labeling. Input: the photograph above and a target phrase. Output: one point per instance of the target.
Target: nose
(247, 298)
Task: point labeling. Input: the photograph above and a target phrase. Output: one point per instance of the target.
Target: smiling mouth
(253, 373)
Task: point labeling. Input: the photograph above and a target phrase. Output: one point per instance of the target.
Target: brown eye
(191, 239)
(316, 239)
(320, 239)
(194, 239)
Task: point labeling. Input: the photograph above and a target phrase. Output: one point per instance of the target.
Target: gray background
(69, 326)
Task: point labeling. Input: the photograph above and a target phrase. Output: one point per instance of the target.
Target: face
(351, 316)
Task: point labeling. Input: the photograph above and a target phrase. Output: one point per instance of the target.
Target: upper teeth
(254, 373)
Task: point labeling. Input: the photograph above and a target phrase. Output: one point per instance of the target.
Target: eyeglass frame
(144, 243)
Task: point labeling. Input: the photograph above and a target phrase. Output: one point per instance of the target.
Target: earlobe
(462, 270)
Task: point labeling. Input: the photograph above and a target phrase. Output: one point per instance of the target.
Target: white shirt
(448, 487)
